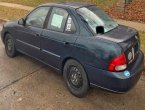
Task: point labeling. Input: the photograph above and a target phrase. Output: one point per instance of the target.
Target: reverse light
(118, 64)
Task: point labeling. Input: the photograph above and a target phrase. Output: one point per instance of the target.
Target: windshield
(94, 17)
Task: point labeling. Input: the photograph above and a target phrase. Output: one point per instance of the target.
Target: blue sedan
(81, 42)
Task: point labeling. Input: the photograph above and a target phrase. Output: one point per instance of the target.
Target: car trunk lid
(127, 38)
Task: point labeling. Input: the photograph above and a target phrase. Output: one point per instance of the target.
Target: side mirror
(100, 30)
(21, 21)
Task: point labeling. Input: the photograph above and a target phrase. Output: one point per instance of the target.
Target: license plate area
(132, 52)
(130, 55)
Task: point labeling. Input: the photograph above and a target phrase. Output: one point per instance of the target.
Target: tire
(10, 46)
(75, 78)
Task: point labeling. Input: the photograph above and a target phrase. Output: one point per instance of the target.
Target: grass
(142, 39)
(11, 13)
(104, 3)
(37, 2)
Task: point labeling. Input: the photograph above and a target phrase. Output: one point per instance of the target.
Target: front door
(28, 40)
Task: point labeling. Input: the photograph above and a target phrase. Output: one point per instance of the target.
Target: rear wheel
(75, 78)
(10, 46)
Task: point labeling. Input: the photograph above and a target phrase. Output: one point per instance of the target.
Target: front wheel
(10, 46)
(75, 78)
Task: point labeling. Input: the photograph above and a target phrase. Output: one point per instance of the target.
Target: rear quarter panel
(96, 52)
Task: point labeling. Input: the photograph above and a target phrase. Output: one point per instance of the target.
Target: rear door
(58, 38)
(28, 40)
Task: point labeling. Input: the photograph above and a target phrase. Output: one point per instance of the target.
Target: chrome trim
(48, 52)
(107, 89)
(28, 44)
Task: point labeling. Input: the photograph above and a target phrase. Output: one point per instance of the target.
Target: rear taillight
(118, 64)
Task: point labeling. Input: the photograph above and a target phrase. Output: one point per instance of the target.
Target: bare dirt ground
(26, 84)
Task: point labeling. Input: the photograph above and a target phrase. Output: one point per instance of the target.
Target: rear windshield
(94, 17)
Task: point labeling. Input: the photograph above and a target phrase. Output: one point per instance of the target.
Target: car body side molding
(28, 44)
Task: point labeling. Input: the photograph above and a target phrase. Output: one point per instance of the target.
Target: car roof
(68, 4)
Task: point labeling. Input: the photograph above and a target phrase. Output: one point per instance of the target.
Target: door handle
(37, 35)
(66, 43)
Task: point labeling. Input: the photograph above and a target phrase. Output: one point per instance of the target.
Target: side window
(70, 26)
(58, 19)
(37, 17)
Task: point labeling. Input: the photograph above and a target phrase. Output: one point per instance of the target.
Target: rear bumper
(117, 82)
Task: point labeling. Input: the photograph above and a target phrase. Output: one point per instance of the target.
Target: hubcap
(9, 45)
(75, 77)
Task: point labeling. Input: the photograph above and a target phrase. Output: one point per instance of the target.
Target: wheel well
(5, 36)
(65, 60)
(63, 63)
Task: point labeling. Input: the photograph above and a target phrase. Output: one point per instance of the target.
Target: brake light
(118, 64)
